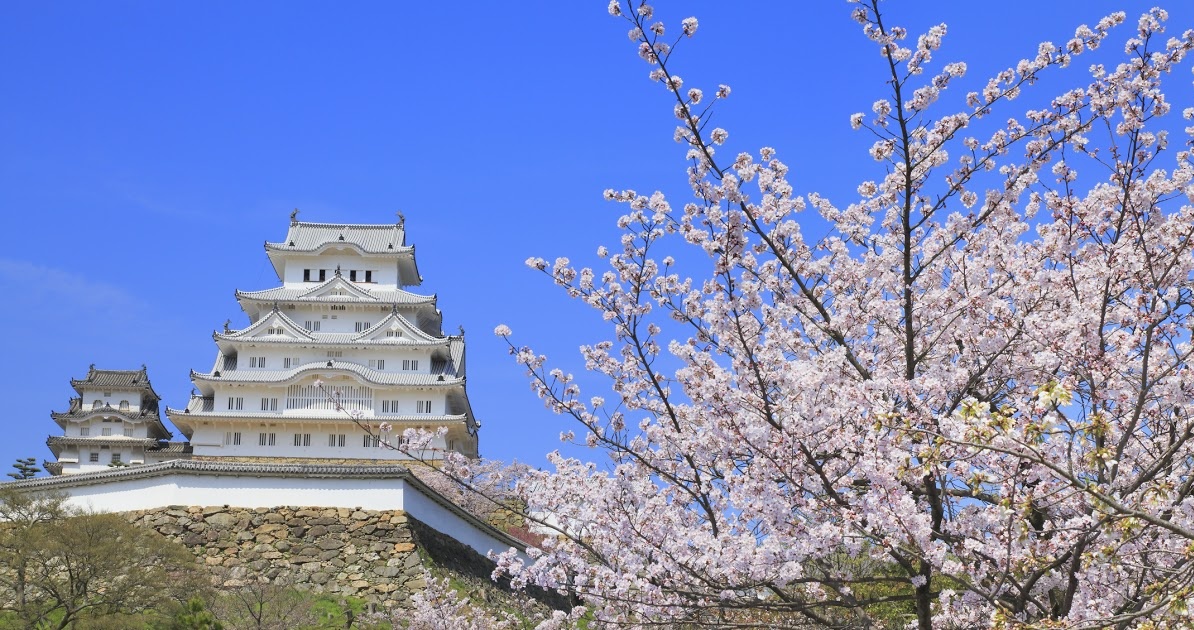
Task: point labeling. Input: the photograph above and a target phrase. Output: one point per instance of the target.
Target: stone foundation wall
(367, 554)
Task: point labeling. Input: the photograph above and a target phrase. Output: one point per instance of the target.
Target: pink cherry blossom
(973, 388)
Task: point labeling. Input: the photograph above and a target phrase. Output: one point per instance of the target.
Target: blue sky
(148, 149)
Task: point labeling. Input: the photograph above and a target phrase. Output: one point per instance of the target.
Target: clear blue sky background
(148, 149)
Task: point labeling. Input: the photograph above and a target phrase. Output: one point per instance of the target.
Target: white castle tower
(114, 421)
(343, 319)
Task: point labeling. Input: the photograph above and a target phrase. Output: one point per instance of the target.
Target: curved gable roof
(275, 317)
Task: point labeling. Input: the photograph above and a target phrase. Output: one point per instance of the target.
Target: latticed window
(310, 397)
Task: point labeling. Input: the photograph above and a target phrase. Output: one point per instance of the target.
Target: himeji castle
(340, 338)
(298, 406)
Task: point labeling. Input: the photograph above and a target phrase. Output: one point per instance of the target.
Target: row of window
(94, 458)
(124, 405)
(289, 362)
(335, 440)
(104, 431)
(313, 325)
(237, 403)
(319, 275)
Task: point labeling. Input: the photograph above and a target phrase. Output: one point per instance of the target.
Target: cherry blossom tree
(969, 405)
(439, 606)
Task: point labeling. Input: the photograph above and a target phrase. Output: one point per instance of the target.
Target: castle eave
(367, 375)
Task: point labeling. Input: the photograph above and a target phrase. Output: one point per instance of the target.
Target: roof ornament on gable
(338, 266)
(294, 218)
(275, 306)
(341, 236)
(401, 218)
(462, 330)
(227, 325)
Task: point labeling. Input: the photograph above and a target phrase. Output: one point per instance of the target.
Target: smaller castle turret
(114, 421)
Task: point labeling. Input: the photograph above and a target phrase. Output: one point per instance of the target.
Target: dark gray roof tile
(114, 379)
(374, 239)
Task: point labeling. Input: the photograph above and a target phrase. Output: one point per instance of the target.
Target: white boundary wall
(168, 484)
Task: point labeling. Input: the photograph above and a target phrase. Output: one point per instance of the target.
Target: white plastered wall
(247, 491)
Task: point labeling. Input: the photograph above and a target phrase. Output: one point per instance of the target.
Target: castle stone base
(367, 554)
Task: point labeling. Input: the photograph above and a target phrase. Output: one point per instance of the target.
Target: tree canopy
(61, 568)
